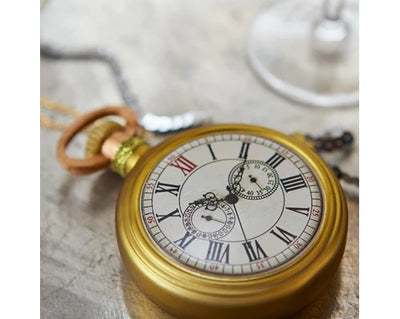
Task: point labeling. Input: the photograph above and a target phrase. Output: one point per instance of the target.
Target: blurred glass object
(42, 3)
(307, 50)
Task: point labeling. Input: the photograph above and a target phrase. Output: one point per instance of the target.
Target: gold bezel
(186, 292)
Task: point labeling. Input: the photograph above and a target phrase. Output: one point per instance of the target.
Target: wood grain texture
(178, 56)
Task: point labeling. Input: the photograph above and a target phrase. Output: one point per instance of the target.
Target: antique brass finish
(189, 293)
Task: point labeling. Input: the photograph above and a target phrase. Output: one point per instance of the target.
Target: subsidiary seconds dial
(253, 179)
(232, 204)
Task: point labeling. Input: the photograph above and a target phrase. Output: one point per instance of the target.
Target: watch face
(232, 204)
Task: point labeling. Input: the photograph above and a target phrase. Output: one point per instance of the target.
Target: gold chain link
(57, 107)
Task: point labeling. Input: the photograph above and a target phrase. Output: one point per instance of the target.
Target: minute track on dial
(234, 199)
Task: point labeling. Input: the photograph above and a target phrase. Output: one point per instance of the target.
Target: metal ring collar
(96, 161)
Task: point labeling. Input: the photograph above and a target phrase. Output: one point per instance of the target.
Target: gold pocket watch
(222, 221)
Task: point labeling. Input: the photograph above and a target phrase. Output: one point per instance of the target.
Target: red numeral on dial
(185, 165)
(149, 186)
(315, 212)
(311, 179)
(150, 219)
(297, 245)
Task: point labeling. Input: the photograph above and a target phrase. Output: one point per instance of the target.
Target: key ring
(96, 161)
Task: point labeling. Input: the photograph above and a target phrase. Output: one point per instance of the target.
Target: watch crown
(128, 154)
(98, 134)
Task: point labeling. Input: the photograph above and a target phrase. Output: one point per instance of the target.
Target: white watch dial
(232, 204)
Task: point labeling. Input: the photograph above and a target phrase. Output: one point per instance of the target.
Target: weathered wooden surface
(178, 55)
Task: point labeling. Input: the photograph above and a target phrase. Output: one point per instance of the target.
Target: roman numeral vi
(254, 253)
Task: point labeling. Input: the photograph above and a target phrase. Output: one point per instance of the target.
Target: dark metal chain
(344, 176)
(99, 54)
(332, 143)
(151, 122)
(329, 143)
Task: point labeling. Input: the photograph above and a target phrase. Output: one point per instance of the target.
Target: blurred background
(179, 56)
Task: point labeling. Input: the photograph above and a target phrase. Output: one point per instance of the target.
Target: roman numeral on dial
(275, 160)
(283, 235)
(292, 183)
(161, 217)
(212, 152)
(244, 150)
(184, 165)
(170, 188)
(185, 240)
(218, 252)
(254, 253)
(299, 210)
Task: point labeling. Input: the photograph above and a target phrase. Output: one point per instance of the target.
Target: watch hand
(254, 180)
(210, 201)
(209, 217)
(232, 199)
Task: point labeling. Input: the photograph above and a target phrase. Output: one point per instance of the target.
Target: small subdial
(253, 179)
(205, 223)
